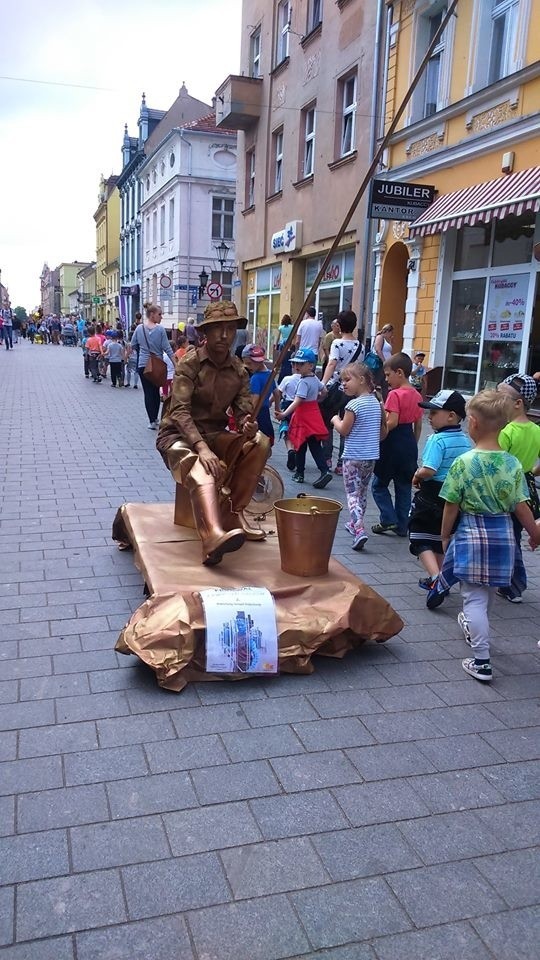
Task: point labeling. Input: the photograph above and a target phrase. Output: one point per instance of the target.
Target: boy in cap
(254, 359)
(307, 427)
(195, 444)
(446, 413)
(521, 437)
(418, 372)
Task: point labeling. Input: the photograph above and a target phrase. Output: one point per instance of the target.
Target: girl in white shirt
(363, 426)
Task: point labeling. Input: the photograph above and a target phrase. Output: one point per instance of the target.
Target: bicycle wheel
(269, 489)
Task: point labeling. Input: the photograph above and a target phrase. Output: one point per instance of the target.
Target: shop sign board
(288, 239)
(398, 200)
(506, 304)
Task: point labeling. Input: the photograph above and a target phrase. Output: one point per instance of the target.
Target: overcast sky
(58, 137)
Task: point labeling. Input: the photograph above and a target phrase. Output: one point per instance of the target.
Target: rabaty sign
(290, 238)
(396, 200)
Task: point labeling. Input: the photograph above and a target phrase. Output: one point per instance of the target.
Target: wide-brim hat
(221, 311)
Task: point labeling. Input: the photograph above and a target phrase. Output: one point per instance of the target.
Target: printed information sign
(241, 633)
(507, 299)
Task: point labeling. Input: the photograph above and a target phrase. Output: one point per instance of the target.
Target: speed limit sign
(214, 290)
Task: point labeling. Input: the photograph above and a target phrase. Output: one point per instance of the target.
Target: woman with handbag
(152, 342)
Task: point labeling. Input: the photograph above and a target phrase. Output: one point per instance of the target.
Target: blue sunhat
(304, 355)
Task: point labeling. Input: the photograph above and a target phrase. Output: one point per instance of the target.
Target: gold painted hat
(219, 312)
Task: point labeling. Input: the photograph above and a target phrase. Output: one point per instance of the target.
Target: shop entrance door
(394, 292)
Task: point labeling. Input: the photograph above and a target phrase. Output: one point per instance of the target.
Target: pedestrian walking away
(399, 451)
(150, 338)
(362, 427)
(446, 413)
(482, 488)
(307, 427)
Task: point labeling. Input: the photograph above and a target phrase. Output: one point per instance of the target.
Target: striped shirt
(363, 442)
(442, 448)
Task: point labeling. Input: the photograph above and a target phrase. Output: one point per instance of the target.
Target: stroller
(69, 337)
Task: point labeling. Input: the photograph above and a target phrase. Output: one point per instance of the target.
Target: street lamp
(222, 251)
(203, 280)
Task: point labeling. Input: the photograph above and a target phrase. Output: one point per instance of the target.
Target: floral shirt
(485, 481)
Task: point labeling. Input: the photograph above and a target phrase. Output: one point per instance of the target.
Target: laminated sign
(241, 632)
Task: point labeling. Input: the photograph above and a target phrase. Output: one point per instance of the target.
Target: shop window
(250, 179)
(277, 161)
(504, 327)
(472, 247)
(222, 218)
(283, 27)
(347, 113)
(255, 54)
(513, 241)
(464, 334)
(314, 14)
(308, 138)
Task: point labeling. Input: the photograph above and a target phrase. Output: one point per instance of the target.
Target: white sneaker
(464, 624)
(153, 425)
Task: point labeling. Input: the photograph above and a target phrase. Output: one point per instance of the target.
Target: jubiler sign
(392, 200)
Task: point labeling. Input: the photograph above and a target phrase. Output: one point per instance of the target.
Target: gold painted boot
(237, 518)
(215, 540)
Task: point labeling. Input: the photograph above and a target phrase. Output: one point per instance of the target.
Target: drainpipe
(190, 168)
(378, 100)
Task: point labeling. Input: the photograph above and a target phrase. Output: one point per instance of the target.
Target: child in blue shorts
(446, 413)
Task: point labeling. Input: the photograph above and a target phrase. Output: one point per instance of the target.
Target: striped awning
(517, 193)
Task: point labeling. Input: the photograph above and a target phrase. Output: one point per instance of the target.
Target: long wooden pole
(361, 190)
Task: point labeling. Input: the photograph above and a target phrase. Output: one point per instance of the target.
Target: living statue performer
(218, 468)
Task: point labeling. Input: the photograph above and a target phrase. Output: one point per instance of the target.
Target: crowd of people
(474, 492)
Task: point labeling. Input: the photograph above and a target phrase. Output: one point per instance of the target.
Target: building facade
(67, 282)
(86, 291)
(49, 281)
(107, 220)
(303, 109)
(462, 281)
(188, 209)
(153, 126)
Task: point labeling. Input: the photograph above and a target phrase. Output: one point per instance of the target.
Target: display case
(499, 360)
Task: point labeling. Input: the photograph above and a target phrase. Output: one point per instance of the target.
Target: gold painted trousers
(248, 456)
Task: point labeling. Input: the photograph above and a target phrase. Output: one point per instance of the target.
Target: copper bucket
(306, 527)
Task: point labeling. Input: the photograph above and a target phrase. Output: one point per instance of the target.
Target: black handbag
(336, 400)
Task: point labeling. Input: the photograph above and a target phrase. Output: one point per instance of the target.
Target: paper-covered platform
(328, 615)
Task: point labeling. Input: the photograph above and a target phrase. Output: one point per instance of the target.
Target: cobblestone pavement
(384, 808)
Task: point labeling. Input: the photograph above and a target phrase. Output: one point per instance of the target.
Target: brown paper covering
(328, 615)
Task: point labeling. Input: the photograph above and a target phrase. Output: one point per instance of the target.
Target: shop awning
(517, 193)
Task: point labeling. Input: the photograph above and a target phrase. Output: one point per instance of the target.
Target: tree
(20, 313)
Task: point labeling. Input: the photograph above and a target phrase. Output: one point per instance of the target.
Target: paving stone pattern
(384, 808)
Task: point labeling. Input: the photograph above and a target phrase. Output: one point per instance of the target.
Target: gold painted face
(219, 338)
